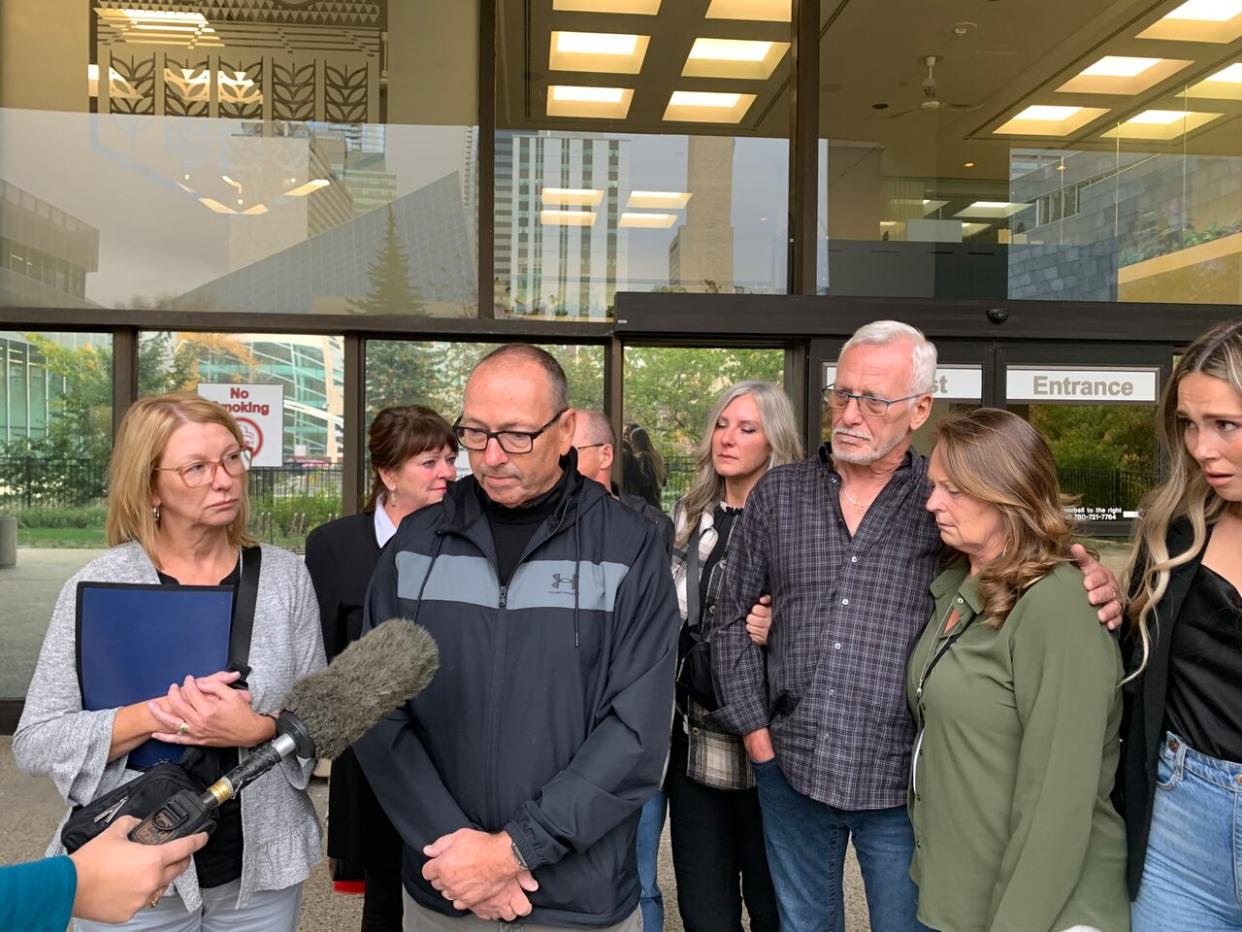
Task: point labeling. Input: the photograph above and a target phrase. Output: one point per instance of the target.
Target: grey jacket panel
(58, 739)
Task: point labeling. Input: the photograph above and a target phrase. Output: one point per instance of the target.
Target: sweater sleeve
(1065, 673)
(55, 737)
(306, 640)
(38, 896)
(620, 764)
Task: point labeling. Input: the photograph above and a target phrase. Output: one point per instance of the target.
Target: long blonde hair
(780, 429)
(998, 458)
(1185, 494)
(140, 442)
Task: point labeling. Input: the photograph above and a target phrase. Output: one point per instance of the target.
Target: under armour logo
(569, 581)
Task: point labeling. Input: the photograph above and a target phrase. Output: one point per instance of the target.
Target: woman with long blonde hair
(717, 834)
(1180, 783)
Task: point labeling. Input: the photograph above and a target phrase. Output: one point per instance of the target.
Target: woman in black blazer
(412, 461)
(1180, 785)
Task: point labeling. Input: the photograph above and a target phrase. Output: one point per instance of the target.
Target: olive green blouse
(1014, 764)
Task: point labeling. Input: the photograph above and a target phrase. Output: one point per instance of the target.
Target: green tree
(389, 277)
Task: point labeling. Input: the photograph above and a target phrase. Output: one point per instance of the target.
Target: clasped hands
(208, 711)
(478, 871)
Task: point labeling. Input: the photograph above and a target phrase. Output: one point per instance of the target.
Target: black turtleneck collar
(531, 512)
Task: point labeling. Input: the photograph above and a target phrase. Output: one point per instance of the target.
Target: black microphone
(324, 714)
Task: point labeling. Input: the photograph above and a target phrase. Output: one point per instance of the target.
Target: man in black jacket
(517, 777)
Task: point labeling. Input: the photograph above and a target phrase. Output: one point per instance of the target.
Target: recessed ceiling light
(1160, 125)
(707, 107)
(567, 218)
(647, 220)
(997, 209)
(637, 7)
(1120, 66)
(311, 186)
(968, 165)
(569, 100)
(1226, 84)
(733, 58)
(669, 200)
(573, 197)
(1216, 21)
(215, 206)
(1044, 120)
(1230, 75)
(597, 52)
(771, 11)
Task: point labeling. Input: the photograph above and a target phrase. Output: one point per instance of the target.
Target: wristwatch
(517, 856)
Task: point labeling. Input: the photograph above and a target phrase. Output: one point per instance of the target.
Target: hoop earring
(155, 514)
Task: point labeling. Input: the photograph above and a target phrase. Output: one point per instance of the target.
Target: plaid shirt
(846, 613)
(714, 758)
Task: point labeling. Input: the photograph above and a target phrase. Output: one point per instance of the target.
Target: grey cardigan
(56, 738)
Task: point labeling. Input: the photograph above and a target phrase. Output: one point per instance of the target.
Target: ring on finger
(183, 728)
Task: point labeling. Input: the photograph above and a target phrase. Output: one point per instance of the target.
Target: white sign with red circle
(260, 413)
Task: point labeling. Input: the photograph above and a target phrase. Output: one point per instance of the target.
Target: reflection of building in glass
(356, 156)
(325, 274)
(28, 390)
(700, 257)
(557, 248)
(45, 253)
(309, 367)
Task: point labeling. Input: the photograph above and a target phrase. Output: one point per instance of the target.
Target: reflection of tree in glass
(169, 362)
(389, 278)
(1106, 454)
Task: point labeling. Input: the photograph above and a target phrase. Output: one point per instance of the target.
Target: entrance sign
(952, 382)
(1082, 384)
(260, 412)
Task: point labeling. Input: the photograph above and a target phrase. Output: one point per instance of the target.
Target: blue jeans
(647, 847)
(1192, 875)
(806, 842)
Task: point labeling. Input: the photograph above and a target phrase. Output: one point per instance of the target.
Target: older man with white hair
(846, 547)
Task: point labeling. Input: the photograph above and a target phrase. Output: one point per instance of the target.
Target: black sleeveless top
(1204, 703)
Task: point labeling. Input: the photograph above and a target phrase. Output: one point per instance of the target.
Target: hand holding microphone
(325, 713)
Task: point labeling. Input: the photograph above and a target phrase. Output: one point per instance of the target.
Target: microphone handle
(261, 760)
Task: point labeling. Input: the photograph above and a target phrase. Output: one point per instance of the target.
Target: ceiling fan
(931, 101)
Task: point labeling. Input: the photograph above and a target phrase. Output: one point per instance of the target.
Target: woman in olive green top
(1013, 686)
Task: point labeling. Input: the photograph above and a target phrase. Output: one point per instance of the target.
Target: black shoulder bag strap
(243, 613)
(693, 611)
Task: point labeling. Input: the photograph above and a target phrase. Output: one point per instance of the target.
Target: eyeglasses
(511, 441)
(839, 399)
(196, 475)
(586, 446)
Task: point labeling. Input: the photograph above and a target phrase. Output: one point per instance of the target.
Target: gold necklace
(852, 500)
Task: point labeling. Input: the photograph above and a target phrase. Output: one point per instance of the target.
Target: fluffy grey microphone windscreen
(372, 676)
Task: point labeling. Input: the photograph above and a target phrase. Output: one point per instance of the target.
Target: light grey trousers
(267, 911)
(420, 919)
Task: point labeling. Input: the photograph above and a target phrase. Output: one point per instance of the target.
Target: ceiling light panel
(707, 107)
(567, 218)
(313, 185)
(733, 58)
(667, 200)
(1160, 125)
(634, 7)
(650, 221)
(1217, 21)
(568, 100)
(572, 197)
(1223, 85)
(1122, 74)
(597, 52)
(995, 209)
(768, 11)
(1044, 120)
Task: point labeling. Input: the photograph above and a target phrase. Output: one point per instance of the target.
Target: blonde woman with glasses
(177, 514)
(1180, 784)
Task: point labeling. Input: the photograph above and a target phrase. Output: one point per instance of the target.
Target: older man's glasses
(511, 441)
(839, 399)
(201, 473)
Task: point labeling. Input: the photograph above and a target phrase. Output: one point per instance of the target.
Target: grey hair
(526, 352)
(596, 425)
(885, 332)
(780, 429)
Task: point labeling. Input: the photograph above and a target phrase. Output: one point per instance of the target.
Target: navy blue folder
(133, 640)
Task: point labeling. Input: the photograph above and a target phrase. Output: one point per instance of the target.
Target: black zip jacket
(549, 715)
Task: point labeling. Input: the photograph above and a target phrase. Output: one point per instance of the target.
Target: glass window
(1054, 151)
(55, 439)
(296, 435)
(650, 154)
(283, 158)
(668, 393)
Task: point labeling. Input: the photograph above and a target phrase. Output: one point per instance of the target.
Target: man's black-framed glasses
(511, 441)
(838, 399)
